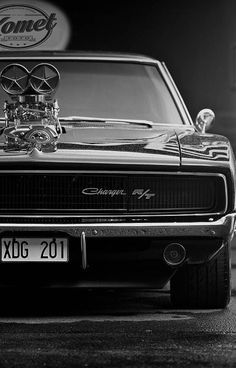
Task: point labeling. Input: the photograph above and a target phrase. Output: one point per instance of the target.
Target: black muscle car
(105, 181)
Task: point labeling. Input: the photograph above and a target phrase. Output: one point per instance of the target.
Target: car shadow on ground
(74, 302)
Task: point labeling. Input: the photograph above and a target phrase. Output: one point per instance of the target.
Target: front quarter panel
(209, 152)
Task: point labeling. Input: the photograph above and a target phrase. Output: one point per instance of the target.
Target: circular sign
(32, 24)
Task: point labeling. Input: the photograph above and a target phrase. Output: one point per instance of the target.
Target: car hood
(157, 146)
(143, 146)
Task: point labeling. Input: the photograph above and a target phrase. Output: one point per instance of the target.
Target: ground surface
(114, 329)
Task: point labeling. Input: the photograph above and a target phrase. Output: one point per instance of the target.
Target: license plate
(34, 250)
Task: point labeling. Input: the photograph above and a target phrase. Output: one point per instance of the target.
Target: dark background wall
(195, 38)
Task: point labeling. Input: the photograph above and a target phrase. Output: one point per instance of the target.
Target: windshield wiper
(87, 119)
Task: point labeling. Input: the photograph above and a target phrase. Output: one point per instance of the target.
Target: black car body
(105, 181)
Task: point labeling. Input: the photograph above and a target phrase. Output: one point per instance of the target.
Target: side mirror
(204, 120)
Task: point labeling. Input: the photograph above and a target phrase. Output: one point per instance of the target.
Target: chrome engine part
(31, 118)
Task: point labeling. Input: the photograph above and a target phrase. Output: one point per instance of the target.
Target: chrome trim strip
(129, 59)
(140, 172)
(222, 228)
(127, 173)
(109, 216)
(83, 250)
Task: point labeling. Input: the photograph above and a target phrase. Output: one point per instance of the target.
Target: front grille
(99, 193)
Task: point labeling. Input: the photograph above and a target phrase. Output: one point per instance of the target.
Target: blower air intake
(31, 119)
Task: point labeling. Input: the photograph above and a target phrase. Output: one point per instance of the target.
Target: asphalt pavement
(113, 329)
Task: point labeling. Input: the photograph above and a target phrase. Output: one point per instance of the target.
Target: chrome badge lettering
(104, 192)
(142, 193)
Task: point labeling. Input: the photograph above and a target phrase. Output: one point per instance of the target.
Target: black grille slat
(62, 192)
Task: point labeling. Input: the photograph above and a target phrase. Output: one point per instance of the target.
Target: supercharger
(31, 117)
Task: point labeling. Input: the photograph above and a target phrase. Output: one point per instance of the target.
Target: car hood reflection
(157, 146)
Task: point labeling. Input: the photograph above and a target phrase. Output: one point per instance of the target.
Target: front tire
(203, 286)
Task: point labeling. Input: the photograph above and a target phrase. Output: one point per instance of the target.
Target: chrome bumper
(222, 228)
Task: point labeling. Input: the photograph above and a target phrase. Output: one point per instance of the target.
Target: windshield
(109, 90)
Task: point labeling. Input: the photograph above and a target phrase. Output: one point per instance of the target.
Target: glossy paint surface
(156, 146)
(170, 147)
